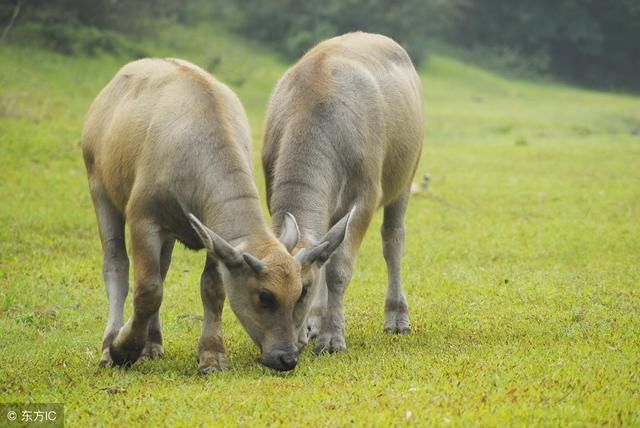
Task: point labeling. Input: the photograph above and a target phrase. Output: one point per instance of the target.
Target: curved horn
(215, 244)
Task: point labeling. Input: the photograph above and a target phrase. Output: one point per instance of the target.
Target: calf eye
(305, 288)
(267, 299)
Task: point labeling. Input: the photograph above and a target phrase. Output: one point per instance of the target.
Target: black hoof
(398, 330)
(124, 357)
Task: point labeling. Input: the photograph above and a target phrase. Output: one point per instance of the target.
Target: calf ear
(321, 252)
(289, 233)
(215, 244)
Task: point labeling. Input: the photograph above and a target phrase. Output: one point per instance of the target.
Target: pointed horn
(331, 241)
(254, 263)
(215, 244)
(317, 252)
(299, 257)
(202, 232)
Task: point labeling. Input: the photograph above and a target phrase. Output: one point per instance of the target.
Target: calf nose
(289, 360)
(280, 360)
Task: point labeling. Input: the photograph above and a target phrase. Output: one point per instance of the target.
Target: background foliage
(293, 27)
(586, 41)
(589, 42)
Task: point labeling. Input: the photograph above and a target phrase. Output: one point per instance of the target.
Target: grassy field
(522, 265)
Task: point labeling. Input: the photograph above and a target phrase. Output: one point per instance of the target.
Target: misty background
(591, 43)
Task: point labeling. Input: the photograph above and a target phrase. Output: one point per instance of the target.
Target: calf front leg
(211, 353)
(318, 308)
(146, 245)
(338, 271)
(153, 348)
(338, 274)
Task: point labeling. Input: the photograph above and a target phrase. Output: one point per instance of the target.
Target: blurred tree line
(82, 27)
(591, 42)
(294, 26)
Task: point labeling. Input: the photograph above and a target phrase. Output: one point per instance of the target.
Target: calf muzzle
(280, 360)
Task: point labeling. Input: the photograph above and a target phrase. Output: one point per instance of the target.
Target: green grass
(522, 264)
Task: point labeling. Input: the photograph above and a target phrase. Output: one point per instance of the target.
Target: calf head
(272, 296)
(263, 293)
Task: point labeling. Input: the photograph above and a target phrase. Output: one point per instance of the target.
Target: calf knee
(148, 297)
(338, 274)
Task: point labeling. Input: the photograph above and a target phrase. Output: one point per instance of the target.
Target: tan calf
(344, 129)
(165, 144)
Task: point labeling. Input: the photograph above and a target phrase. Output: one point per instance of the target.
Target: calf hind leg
(153, 349)
(396, 311)
(146, 247)
(115, 266)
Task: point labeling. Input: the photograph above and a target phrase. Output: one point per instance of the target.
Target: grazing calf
(344, 129)
(165, 144)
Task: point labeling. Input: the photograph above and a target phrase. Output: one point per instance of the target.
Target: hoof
(397, 323)
(303, 339)
(105, 359)
(397, 330)
(124, 356)
(152, 351)
(302, 344)
(330, 344)
(313, 327)
(211, 362)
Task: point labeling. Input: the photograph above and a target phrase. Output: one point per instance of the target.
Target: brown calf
(165, 144)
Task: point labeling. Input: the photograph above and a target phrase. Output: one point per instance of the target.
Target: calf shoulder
(162, 137)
